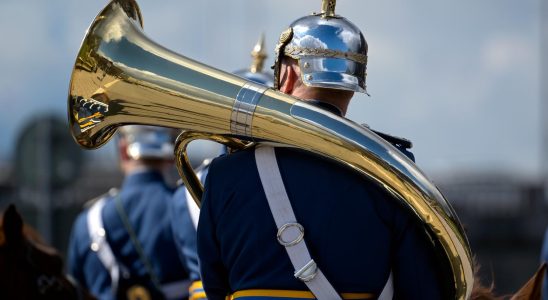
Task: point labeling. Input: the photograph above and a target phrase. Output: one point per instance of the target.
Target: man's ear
(288, 79)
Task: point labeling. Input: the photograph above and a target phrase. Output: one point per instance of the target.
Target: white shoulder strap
(290, 233)
(193, 208)
(388, 290)
(99, 243)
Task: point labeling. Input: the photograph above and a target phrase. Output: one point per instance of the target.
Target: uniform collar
(326, 106)
(142, 176)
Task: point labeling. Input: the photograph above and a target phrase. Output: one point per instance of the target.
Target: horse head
(29, 269)
(530, 291)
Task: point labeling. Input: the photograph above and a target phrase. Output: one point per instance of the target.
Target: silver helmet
(255, 72)
(331, 51)
(148, 142)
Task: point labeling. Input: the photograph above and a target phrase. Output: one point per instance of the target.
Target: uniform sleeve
(184, 233)
(75, 266)
(214, 274)
(414, 266)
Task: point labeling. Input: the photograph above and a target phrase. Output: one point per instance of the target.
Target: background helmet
(331, 51)
(255, 73)
(148, 142)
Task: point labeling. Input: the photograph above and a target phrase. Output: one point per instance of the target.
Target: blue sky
(460, 79)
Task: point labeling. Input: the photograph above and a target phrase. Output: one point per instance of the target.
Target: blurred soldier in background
(183, 205)
(255, 72)
(356, 234)
(122, 245)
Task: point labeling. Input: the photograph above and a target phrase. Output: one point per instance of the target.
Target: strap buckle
(308, 272)
(295, 241)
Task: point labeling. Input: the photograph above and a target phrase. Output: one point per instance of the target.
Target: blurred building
(505, 218)
(66, 202)
(6, 185)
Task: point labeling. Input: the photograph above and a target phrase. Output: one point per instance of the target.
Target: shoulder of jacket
(392, 139)
(111, 193)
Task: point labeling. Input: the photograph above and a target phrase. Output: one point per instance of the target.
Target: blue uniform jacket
(145, 198)
(184, 233)
(355, 231)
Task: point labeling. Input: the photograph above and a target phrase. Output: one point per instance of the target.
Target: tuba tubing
(121, 77)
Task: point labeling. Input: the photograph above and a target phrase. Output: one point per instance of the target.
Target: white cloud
(349, 38)
(308, 41)
(507, 52)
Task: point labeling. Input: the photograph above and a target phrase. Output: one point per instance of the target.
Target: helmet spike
(328, 8)
(259, 55)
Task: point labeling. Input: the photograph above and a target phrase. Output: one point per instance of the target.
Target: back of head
(330, 50)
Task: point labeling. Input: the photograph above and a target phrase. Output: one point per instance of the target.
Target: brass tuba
(121, 77)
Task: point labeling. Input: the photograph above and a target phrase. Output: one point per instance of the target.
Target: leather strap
(290, 233)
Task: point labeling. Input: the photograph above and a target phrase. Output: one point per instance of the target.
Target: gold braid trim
(297, 52)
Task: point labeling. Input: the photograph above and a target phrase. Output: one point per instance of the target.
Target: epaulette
(111, 193)
(394, 140)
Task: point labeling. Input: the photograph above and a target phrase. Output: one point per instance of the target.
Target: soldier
(360, 243)
(122, 245)
(184, 228)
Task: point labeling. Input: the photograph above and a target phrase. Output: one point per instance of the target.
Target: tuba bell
(122, 77)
